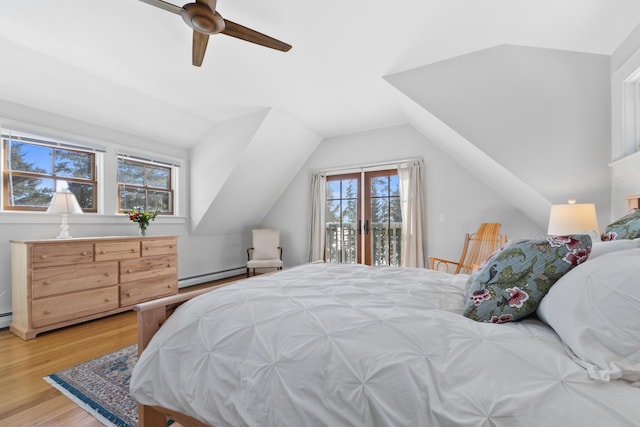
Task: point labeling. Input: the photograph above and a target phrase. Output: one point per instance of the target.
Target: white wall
(625, 168)
(542, 114)
(451, 191)
(198, 255)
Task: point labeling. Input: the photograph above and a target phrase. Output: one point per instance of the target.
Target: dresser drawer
(159, 246)
(144, 268)
(147, 289)
(61, 254)
(70, 278)
(110, 251)
(55, 309)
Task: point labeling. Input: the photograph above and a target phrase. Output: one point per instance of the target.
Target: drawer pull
(169, 286)
(46, 282)
(47, 312)
(129, 271)
(133, 250)
(107, 299)
(102, 252)
(147, 248)
(85, 253)
(128, 294)
(170, 246)
(107, 274)
(43, 257)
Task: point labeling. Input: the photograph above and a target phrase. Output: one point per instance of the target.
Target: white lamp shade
(64, 203)
(572, 218)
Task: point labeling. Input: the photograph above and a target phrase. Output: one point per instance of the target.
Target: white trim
(341, 170)
(22, 217)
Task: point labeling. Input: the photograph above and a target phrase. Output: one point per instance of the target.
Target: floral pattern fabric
(510, 284)
(627, 227)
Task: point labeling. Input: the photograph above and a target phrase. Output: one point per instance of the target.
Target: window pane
(131, 198)
(84, 193)
(395, 214)
(158, 177)
(349, 231)
(394, 185)
(130, 173)
(349, 188)
(379, 186)
(33, 192)
(380, 243)
(160, 201)
(333, 190)
(379, 210)
(73, 164)
(333, 240)
(29, 158)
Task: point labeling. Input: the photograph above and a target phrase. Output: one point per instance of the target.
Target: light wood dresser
(58, 283)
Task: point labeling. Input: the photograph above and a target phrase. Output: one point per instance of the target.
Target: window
(144, 184)
(34, 168)
(372, 233)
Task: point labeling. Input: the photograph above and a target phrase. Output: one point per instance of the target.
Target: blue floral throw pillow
(510, 284)
(627, 227)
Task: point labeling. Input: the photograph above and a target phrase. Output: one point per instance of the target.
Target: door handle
(359, 226)
(366, 226)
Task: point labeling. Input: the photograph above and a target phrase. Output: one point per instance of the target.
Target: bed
(351, 345)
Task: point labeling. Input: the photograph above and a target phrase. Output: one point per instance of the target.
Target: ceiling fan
(203, 18)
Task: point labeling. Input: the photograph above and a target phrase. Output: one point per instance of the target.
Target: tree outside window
(32, 172)
(144, 185)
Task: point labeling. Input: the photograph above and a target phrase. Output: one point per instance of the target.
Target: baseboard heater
(210, 277)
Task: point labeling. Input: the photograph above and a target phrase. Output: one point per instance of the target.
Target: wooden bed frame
(151, 315)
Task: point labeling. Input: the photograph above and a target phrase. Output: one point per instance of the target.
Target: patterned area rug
(101, 387)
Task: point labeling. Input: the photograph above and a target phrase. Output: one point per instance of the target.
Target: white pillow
(604, 247)
(595, 309)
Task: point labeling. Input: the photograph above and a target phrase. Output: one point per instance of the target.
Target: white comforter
(349, 345)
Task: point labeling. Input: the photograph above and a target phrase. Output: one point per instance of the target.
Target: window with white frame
(34, 167)
(145, 184)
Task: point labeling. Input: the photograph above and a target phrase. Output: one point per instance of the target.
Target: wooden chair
(477, 247)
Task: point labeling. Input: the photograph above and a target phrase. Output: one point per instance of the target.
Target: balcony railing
(342, 242)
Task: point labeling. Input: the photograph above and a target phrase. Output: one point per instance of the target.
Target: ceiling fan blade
(200, 41)
(241, 32)
(164, 5)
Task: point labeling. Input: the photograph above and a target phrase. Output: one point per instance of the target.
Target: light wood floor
(26, 399)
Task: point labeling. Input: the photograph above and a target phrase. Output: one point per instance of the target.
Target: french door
(363, 222)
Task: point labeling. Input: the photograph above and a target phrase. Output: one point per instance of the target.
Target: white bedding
(350, 345)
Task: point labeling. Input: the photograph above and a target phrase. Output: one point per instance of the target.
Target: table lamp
(64, 202)
(572, 218)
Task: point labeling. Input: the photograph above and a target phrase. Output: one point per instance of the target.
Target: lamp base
(64, 229)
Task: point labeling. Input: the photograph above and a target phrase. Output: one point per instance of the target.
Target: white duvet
(350, 345)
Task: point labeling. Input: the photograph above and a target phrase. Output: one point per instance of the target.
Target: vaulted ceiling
(126, 65)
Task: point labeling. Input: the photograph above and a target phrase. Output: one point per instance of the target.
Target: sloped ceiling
(125, 65)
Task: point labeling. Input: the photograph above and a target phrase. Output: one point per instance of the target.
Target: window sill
(89, 218)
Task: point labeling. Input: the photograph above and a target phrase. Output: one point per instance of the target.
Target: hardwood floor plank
(26, 399)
